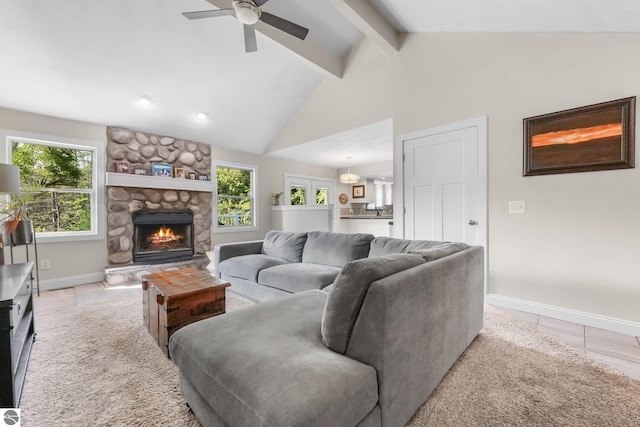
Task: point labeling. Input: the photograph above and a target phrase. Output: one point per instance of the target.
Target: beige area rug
(96, 365)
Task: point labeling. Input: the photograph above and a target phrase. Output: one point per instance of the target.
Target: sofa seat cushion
(248, 266)
(335, 249)
(284, 244)
(349, 290)
(259, 369)
(298, 277)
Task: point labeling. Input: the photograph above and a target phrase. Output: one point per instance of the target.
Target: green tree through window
(298, 195)
(322, 196)
(235, 198)
(60, 182)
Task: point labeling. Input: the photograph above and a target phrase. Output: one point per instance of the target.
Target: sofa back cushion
(348, 293)
(388, 245)
(335, 249)
(438, 251)
(285, 245)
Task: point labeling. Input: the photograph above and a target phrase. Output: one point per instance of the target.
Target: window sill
(67, 237)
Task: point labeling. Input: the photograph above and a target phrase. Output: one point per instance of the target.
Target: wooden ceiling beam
(368, 20)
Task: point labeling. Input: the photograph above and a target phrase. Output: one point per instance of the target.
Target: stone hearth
(132, 274)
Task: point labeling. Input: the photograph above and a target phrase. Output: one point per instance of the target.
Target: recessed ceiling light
(145, 100)
(201, 116)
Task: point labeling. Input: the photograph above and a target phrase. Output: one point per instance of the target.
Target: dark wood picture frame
(357, 192)
(592, 138)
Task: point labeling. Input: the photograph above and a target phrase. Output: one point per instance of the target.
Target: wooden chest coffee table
(173, 299)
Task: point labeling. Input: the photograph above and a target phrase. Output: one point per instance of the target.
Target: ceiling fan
(248, 12)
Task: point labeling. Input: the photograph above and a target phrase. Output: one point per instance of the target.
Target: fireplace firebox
(162, 236)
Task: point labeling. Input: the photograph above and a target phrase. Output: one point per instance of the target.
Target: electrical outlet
(517, 207)
(45, 264)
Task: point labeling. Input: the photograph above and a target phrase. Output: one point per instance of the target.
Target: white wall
(270, 180)
(575, 248)
(71, 263)
(75, 263)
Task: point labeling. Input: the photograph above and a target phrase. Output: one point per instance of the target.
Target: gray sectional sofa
(366, 350)
(285, 263)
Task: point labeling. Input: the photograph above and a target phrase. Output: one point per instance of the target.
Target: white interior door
(444, 183)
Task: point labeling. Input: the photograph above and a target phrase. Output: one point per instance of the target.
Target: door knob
(473, 222)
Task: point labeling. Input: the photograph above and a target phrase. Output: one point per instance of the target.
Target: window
(383, 195)
(59, 179)
(235, 199)
(308, 190)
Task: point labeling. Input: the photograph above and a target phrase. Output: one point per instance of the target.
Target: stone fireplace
(138, 204)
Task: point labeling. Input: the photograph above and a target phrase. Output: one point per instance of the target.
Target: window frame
(96, 195)
(216, 228)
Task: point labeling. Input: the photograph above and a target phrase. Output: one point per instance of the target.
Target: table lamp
(9, 184)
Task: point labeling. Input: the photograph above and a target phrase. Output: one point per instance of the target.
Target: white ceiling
(90, 60)
(366, 144)
(512, 15)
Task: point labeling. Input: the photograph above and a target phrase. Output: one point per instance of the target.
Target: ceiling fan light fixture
(246, 12)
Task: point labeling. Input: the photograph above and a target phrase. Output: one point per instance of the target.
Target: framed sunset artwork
(592, 138)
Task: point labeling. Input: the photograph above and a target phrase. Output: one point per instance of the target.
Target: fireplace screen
(159, 237)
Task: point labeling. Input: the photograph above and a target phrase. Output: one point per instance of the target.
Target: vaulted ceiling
(91, 60)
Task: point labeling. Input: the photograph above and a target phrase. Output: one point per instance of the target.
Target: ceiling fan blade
(260, 2)
(208, 13)
(284, 25)
(250, 43)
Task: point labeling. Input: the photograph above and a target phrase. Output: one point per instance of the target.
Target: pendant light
(349, 178)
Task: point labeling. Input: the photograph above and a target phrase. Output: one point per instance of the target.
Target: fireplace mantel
(144, 181)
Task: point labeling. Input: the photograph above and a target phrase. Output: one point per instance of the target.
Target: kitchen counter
(376, 225)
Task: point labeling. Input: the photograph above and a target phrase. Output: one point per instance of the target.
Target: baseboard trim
(68, 282)
(589, 319)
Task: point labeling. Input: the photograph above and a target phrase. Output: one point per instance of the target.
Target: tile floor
(619, 351)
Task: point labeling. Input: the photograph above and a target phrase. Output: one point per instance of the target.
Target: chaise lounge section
(365, 351)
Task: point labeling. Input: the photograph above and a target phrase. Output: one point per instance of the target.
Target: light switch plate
(517, 207)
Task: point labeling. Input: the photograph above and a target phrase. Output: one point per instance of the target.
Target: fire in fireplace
(162, 236)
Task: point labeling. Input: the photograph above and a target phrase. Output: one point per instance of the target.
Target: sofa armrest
(224, 251)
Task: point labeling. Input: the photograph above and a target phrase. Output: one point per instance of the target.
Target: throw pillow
(284, 245)
(349, 290)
